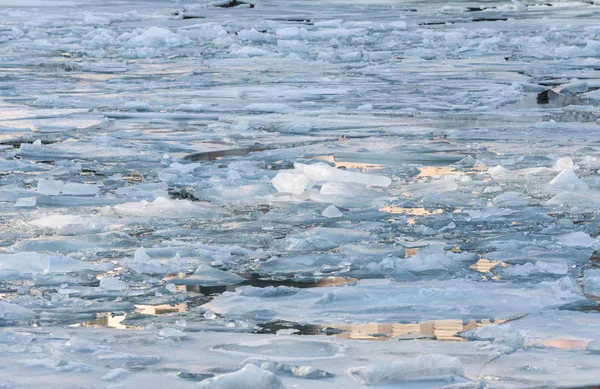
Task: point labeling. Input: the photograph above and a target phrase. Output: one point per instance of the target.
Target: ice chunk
(171, 333)
(155, 37)
(81, 345)
(518, 6)
(539, 267)
(32, 263)
(249, 377)
(13, 312)
(591, 281)
(115, 374)
(112, 283)
(576, 239)
(564, 163)
(49, 187)
(290, 182)
(325, 237)
(574, 87)
(25, 202)
(322, 172)
(332, 212)
(510, 200)
(302, 371)
(568, 180)
(169, 209)
(500, 173)
(424, 367)
(206, 275)
(91, 19)
(76, 189)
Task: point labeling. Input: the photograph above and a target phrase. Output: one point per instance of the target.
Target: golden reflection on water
(484, 265)
(349, 165)
(445, 330)
(566, 344)
(431, 171)
(410, 211)
(116, 321)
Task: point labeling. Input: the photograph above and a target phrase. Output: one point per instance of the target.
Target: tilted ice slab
(387, 301)
(27, 264)
(169, 209)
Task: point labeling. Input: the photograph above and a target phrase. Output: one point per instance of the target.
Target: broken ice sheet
(420, 301)
(144, 147)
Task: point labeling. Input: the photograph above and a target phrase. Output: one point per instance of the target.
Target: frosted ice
(49, 187)
(323, 172)
(250, 376)
(332, 212)
(291, 182)
(428, 367)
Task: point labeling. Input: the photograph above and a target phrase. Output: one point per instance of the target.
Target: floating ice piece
(71, 223)
(300, 371)
(591, 281)
(420, 300)
(49, 187)
(155, 37)
(206, 275)
(568, 180)
(502, 335)
(540, 267)
(81, 345)
(573, 87)
(564, 163)
(290, 182)
(142, 263)
(322, 172)
(76, 189)
(115, 374)
(169, 209)
(323, 237)
(284, 348)
(12, 312)
(26, 202)
(510, 200)
(32, 263)
(577, 238)
(171, 333)
(91, 19)
(429, 367)
(249, 377)
(500, 173)
(518, 6)
(332, 212)
(112, 283)
(398, 25)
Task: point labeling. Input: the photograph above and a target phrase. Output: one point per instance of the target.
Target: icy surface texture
(299, 194)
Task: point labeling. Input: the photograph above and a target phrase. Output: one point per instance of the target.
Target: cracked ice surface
(310, 194)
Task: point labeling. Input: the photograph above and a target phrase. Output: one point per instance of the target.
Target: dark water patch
(182, 194)
(257, 281)
(234, 3)
(477, 20)
(196, 377)
(214, 155)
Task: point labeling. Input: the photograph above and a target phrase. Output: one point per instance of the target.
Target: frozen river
(299, 194)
